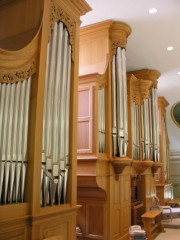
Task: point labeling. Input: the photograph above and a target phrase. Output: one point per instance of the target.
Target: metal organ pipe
(55, 149)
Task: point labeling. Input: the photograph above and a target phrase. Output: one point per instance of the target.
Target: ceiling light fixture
(179, 73)
(170, 48)
(152, 10)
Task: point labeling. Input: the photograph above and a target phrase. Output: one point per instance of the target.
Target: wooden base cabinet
(103, 205)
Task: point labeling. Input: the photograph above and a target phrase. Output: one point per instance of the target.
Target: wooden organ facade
(102, 191)
(119, 149)
(163, 185)
(39, 50)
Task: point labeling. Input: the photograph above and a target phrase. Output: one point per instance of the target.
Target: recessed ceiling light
(170, 48)
(152, 10)
(179, 73)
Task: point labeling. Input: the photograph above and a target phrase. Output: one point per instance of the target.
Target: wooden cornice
(162, 102)
(134, 88)
(145, 86)
(148, 74)
(119, 33)
(116, 32)
(140, 88)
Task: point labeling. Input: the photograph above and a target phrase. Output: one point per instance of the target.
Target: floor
(169, 234)
(172, 230)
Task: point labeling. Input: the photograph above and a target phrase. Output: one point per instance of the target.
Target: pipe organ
(163, 185)
(103, 133)
(38, 114)
(118, 138)
(147, 86)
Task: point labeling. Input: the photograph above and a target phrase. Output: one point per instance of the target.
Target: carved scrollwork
(57, 14)
(17, 75)
(116, 44)
(145, 95)
(135, 97)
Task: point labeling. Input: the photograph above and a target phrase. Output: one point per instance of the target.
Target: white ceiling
(146, 47)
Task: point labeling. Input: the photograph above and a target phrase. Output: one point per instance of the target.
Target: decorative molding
(13, 76)
(147, 74)
(119, 33)
(116, 44)
(57, 14)
(19, 65)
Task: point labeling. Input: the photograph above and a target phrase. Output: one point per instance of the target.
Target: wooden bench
(152, 223)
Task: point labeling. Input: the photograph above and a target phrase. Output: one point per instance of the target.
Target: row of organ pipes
(14, 119)
(119, 104)
(55, 147)
(14, 116)
(119, 107)
(101, 118)
(145, 129)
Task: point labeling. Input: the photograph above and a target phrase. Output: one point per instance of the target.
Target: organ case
(38, 200)
(104, 159)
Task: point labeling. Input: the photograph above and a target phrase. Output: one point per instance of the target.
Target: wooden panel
(95, 217)
(21, 16)
(57, 232)
(85, 119)
(93, 54)
(126, 211)
(15, 234)
(15, 229)
(81, 216)
(121, 206)
(92, 216)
